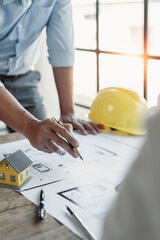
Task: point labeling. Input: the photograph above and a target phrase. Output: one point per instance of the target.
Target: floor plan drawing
(97, 151)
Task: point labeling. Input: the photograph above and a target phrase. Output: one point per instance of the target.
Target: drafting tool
(74, 149)
(81, 226)
(41, 208)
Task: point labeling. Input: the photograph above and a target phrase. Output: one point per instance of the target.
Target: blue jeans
(26, 90)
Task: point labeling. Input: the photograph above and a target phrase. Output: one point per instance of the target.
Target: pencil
(74, 149)
(79, 223)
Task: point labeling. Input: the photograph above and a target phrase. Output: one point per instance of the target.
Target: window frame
(145, 56)
(27, 172)
(2, 177)
(6, 165)
(12, 178)
(21, 177)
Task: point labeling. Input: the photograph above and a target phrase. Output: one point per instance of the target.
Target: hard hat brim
(132, 131)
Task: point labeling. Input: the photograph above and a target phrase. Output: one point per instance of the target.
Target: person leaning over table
(135, 214)
(21, 25)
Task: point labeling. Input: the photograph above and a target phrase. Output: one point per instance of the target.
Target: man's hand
(79, 124)
(64, 82)
(49, 136)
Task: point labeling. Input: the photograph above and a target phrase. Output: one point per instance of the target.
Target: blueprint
(88, 187)
(102, 152)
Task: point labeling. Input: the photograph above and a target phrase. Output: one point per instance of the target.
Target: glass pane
(153, 82)
(82, 2)
(120, 1)
(121, 71)
(84, 19)
(154, 28)
(121, 26)
(85, 77)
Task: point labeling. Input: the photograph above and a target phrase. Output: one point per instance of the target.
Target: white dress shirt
(135, 215)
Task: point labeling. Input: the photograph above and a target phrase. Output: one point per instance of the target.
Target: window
(2, 176)
(27, 172)
(7, 166)
(12, 178)
(21, 177)
(117, 44)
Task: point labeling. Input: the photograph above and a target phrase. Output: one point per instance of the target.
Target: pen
(41, 207)
(74, 149)
(85, 231)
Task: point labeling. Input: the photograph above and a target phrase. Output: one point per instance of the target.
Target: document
(89, 199)
(88, 187)
(100, 151)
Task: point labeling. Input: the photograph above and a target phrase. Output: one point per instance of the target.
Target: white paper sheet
(99, 150)
(87, 187)
(90, 200)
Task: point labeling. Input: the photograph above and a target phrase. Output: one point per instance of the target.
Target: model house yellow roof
(18, 160)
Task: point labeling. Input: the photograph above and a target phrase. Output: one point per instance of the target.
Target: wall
(47, 85)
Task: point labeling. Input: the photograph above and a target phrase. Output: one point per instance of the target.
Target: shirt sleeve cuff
(1, 84)
(61, 59)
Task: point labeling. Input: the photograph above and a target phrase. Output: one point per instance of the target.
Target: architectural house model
(14, 169)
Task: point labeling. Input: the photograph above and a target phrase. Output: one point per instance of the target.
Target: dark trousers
(25, 89)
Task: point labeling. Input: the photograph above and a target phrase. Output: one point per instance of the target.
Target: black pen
(74, 149)
(81, 226)
(41, 207)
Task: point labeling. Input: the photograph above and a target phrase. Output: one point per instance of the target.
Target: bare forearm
(12, 113)
(47, 135)
(64, 83)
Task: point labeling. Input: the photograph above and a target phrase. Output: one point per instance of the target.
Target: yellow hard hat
(121, 109)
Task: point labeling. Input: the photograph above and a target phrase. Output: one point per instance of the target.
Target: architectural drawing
(96, 151)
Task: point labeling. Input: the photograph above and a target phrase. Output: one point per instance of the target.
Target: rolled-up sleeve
(60, 36)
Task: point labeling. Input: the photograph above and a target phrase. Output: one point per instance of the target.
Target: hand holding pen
(74, 148)
(50, 136)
